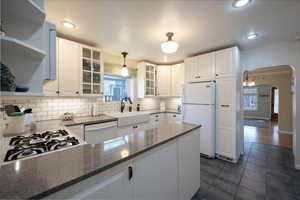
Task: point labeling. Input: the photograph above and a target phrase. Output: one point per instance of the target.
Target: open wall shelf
(12, 46)
(2, 93)
(23, 10)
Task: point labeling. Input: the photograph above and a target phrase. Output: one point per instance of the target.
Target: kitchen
(120, 113)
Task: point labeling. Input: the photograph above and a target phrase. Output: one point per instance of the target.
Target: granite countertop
(42, 175)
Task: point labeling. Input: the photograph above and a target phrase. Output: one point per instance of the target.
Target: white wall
(282, 53)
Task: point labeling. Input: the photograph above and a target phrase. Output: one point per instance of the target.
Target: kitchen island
(164, 158)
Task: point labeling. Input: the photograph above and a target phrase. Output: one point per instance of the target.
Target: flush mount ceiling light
(68, 24)
(252, 36)
(240, 3)
(169, 46)
(124, 68)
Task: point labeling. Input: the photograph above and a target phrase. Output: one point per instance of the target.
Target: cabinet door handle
(225, 105)
(77, 92)
(135, 126)
(156, 120)
(156, 116)
(197, 76)
(130, 173)
(174, 115)
(57, 92)
(217, 74)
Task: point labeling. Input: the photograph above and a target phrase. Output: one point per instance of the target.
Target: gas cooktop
(35, 144)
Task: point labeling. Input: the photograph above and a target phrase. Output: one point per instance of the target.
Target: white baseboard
(285, 132)
(262, 118)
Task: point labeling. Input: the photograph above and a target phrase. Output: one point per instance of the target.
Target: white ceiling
(139, 26)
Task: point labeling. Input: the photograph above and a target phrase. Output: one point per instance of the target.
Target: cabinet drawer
(176, 117)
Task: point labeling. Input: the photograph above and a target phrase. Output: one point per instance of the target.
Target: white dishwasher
(97, 133)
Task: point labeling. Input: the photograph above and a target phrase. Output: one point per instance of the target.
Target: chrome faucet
(126, 99)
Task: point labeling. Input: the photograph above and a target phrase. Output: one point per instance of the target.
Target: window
(250, 99)
(115, 87)
(276, 101)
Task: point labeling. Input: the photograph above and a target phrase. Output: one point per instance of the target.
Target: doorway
(274, 104)
(268, 113)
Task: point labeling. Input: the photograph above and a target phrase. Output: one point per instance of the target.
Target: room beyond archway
(268, 101)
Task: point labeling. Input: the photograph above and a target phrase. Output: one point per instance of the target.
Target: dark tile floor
(264, 172)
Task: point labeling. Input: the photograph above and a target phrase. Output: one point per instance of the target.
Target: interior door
(205, 116)
(164, 80)
(274, 112)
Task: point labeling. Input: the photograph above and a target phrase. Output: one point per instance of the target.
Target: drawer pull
(156, 120)
(225, 106)
(130, 173)
(174, 116)
(135, 126)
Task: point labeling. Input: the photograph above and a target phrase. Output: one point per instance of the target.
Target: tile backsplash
(46, 108)
(172, 103)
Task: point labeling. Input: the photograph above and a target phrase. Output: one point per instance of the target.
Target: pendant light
(247, 82)
(169, 46)
(124, 68)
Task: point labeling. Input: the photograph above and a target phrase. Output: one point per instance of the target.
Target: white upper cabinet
(227, 62)
(146, 80)
(91, 71)
(200, 68)
(164, 79)
(177, 79)
(68, 70)
(79, 71)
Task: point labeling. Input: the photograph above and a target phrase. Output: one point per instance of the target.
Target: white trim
(254, 117)
(285, 132)
(268, 73)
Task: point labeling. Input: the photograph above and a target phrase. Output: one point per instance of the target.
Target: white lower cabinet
(189, 165)
(112, 184)
(156, 174)
(168, 172)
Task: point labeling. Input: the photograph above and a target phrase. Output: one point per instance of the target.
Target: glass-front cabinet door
(150, 80)
(92, 71)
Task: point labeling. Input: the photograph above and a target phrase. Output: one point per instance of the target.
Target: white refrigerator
(199, 108)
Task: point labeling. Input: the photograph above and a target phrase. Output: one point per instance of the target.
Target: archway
(260, 87)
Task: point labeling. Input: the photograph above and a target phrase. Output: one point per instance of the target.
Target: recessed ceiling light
(240, 3)
(68, 24)
(252, 36)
